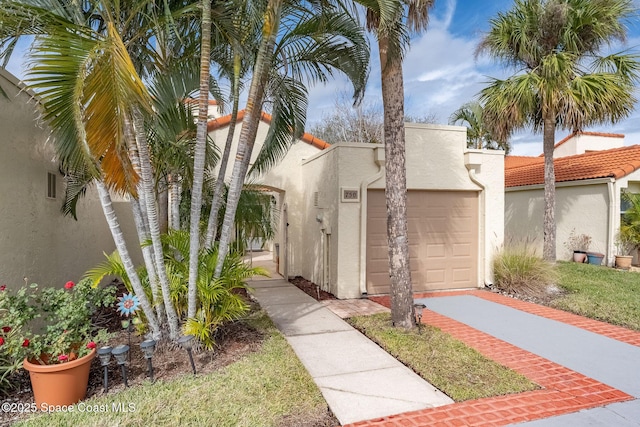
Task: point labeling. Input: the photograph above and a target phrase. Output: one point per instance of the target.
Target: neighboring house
(333, 217)
(591, 171)
(37, 243)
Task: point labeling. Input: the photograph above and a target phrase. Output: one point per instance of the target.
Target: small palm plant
(219, 300)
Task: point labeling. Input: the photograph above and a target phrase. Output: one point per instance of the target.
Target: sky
(442, 72)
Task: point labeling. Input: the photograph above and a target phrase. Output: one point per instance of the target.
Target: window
(51, 185)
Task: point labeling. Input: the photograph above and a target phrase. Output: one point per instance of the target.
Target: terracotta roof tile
(511, 162)
(225, 120)
(614, 163)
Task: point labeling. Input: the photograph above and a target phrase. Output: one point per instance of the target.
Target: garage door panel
(461, 249)
(442, 236)
(436, 251)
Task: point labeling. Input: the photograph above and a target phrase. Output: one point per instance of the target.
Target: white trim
(581, 182)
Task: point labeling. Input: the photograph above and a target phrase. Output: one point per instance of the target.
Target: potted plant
(579, 245)
(49, 333)
(625, 245)
(630, 224)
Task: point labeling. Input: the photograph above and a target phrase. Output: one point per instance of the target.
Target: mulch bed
(233, 341)
(311, 289)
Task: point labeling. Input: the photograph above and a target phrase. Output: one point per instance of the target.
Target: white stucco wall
(582, 143)
(36, 241)
(584, 208)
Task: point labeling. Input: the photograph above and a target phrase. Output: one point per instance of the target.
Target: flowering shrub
(50, 325)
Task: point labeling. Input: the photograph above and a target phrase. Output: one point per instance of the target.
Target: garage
(443, 240)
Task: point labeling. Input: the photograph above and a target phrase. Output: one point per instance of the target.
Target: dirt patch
(311, 289)
(551, 293)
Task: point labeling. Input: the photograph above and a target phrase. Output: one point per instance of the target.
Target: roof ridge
(223, 121)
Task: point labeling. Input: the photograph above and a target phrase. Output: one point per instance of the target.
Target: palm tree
(562, 79)
(199, 155)
(83, 116)
(478, 134)
(391, 21)
(240, 57)
(317, 39)
(90, 99)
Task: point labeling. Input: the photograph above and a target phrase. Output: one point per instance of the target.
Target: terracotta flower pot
(61, 384)
(623, 261)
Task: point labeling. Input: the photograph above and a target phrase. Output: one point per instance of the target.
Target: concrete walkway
(358, 379)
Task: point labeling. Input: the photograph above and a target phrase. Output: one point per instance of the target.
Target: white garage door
(443, 240)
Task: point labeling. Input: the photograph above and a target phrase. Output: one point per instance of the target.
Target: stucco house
(37, 243)
(592, 169)
(332, 211)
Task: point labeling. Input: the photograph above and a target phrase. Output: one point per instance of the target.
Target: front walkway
(358, 379)
(589, 371)
(580, 363)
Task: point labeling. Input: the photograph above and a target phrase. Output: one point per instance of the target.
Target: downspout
(610, 228)
(471, 168)
(378, 154)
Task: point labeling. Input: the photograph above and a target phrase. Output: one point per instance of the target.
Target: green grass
(457, 370)
(266, 388)
(601, 293)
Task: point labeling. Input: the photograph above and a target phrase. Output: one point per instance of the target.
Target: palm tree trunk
(396, 188)
(249, 125)
(147, 255)
(142, 224)
(173, 181)
(212, 227)
(154, 227)
(549, 222)
(199, 158)
(163, 205)
(121, 246)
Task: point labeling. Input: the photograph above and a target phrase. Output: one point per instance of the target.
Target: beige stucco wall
(485, 168)
(324, 232)
(435, 160)
(36, 241)
(287, 183)
(219, 136)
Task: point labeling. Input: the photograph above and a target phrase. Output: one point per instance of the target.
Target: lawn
(601, 293)
(266, 388)
(459, 371)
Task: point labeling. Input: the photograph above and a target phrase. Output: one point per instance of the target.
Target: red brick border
(564, 390)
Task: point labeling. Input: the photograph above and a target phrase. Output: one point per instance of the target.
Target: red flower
(1, 340)
(3, 287)
(6, 329)
(69, 285)
(63, 358)
(91, 345)
(25, 343)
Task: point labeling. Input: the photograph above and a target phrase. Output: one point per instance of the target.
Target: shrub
(518, 270)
